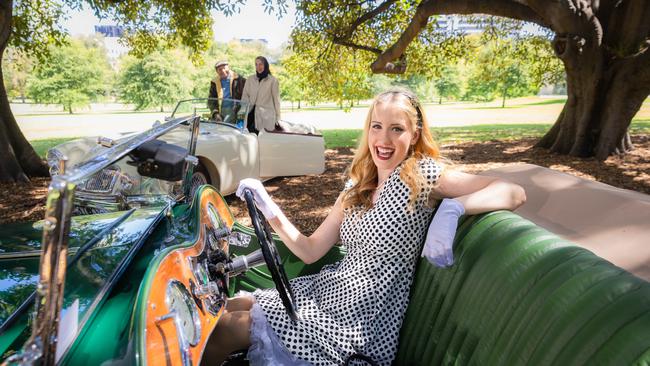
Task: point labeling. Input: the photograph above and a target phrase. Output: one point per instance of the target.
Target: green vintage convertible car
(146, 283)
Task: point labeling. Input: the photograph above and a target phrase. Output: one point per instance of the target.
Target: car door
(285, 153)
(233, 153)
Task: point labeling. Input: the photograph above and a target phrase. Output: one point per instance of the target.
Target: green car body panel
(89, 279)
(112, 311)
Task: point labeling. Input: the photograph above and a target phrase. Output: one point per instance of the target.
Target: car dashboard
(185, 289)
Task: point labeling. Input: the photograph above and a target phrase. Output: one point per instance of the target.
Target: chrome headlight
(54, 157)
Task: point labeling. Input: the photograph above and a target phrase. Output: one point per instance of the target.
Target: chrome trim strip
(29, 254)
(183, 342)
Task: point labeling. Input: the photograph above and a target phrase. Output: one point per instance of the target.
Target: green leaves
(73, 76)
(36, 27)
(149, 25)
(511, 67)
(159, 79)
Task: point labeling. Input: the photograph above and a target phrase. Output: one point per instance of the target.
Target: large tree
(31, 26)
(602, 43)
(159, 79)
(75, 75)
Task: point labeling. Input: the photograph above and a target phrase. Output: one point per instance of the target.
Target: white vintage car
(227, 152)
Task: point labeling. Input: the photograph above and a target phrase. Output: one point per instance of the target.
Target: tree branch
(364, 18)
(347, 43)
(575, 17)
(515, 9)
(344, 40)
(505, 8)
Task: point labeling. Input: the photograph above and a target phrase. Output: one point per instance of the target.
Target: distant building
(110, 30)
(112, 35)
(455, 23)
(252, 40)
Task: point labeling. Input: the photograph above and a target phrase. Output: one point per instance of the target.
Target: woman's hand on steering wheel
(253, 193)
(262, 199)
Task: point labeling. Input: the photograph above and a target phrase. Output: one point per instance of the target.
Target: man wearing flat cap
(227, 85)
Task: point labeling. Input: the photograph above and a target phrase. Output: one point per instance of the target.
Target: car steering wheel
(271, 256)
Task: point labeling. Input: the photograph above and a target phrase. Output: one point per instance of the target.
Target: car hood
(113, 236)
(78, 150)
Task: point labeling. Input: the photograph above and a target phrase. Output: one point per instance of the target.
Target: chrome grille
(102, 182)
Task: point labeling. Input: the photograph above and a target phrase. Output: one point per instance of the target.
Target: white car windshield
(232, 112)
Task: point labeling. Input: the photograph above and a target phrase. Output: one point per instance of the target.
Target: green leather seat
(519, 295)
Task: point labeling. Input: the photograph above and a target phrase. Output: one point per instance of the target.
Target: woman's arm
(308, 249)
(479, 193)
(245, 94)
(275, 94)
(312, 248)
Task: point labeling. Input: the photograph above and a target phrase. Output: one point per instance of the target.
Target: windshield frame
(42, 343)
(239, 121)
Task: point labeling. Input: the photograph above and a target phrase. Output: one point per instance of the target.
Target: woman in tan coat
(262, 92)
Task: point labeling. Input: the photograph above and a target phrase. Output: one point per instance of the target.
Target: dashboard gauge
(200, 272)
(213, 215)
(180, 302)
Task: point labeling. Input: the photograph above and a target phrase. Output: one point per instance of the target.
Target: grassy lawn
(41, 146)
(478, 133)
(444, 135)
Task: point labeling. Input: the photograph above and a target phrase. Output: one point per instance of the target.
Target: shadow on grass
(523, 105)
(629, 171)
(49, 114)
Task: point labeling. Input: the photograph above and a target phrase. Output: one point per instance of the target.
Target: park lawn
(41, 146)
(479, 133)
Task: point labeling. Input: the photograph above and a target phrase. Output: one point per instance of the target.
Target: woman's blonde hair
(363, 171)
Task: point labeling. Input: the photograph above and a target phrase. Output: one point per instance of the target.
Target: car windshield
(228, 111)
(120, 193)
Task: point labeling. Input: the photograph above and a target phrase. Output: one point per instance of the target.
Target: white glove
(260, 196)
(441, 233)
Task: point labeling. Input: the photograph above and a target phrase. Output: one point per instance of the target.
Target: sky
(251, 22)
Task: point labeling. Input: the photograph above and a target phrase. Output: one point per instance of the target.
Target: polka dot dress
(357, 305)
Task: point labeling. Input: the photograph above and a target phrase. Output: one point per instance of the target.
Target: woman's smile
(384, 153)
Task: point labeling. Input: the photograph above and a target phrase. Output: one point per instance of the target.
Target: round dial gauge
(213, 216)
(187, 320)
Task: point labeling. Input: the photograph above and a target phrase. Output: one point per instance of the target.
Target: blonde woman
(354, 308)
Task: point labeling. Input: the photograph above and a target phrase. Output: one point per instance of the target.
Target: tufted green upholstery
(519, 295)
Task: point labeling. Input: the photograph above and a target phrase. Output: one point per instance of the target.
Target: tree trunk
(18, 160)
(604, 94)
(440, 100)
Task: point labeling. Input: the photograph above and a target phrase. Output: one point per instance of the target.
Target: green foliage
(160, 78)
(149, 25)
(320, 22)
(448, 85)
(35, 27)
(432, 52)
(16, 67)
(74, 76)
(332, 73)
(500, 69)
(293, 87)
